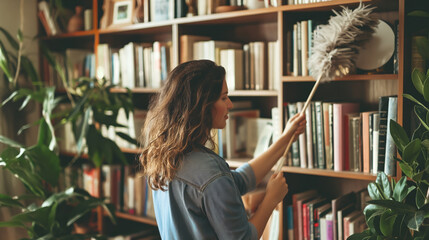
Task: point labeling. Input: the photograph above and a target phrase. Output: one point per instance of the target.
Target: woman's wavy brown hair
(179, 119)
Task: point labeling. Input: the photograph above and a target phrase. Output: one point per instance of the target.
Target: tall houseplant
(52, 213)
(400, 209)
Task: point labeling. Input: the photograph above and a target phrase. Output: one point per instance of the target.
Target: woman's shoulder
(202, 165)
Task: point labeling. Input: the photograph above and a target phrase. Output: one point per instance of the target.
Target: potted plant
(52, 214)
(400, 209)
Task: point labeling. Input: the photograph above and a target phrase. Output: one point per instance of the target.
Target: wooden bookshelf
(141, 219)
(267, 24)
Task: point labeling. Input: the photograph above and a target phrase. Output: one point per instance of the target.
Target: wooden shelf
(393, 77)
(321, 6)
(235, 163)
(253, 93)
(141, 219)
(89, 33)
(131, 150)
(135, 90)
(331, 173)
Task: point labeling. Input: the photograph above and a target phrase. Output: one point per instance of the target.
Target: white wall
(10, 20)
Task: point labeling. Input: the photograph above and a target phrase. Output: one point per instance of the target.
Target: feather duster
(335, 48)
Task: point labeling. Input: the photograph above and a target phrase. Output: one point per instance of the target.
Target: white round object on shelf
(378, 50)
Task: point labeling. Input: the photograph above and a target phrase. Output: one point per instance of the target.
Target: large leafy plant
(52, 213)
(400, 209)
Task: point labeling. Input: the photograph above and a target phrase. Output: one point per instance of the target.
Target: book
(232, 61)
(329, 235)
(187, 46)
(302, 141)
(236, 131)
(338, 204)
(390, 150)
(346, 222)
(297, 200)
(383, 105)
(354, 149)
(340, 111)
(366, 140)
(264, 139)
(321, 163)
(340, 218)
(296, 161)
(320, 220)
(309, 136)
(327, 131)
(375, 140)
(289, 221)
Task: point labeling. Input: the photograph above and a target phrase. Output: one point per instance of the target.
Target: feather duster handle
(335, 48)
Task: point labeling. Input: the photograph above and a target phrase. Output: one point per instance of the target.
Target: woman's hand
(277, 189)
(295, 126)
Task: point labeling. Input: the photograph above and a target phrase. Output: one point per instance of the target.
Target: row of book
(299, 48)
(75, 62)
(136, 64)
(340, 137)
(133, 127)
(252, 65)
(294, 2)
(46, 17)
(122, 186)
(246, 133)
(313, 216)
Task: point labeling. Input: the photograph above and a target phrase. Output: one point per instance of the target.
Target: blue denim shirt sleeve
(225, 210)
(244, 178)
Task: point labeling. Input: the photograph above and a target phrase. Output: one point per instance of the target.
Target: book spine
(375, 140)
(320, 135)
(302, 141)
(313, 129)
(295, 145)
(309, 136)
(390, 162)
(382, 127)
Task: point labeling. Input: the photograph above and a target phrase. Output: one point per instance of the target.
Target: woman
(196, 195)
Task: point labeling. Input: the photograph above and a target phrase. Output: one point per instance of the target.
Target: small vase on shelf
(76, 21)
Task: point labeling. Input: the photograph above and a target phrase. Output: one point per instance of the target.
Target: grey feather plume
(337, 43)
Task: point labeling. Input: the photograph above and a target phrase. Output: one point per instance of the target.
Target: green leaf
(127, 138)
(25, 102)
(412, 151)
(387, 221)
(397, 207)
(406, 168)
(10, 142)
(360, 236)
(418, 79)
(7, 201)
(423, 48)
(416, 220)
(419, 13)
(29, 68)
(408, 96)
(9, 38)
(20, 36)
(374, 191)
(401, 190)
(421, 114)
(48, 163)
(399, 135)
(383, 181)
(5, 63)
(421, 196)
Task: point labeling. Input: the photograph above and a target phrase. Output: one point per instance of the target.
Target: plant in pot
(400, 209)
(52, 213)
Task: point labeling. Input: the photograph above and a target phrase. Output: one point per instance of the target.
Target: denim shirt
(204, 201)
